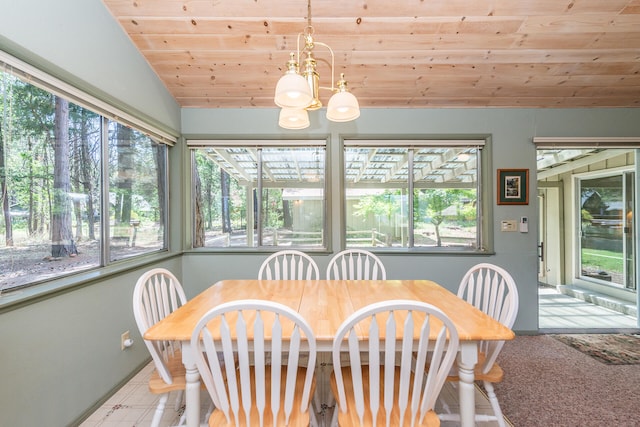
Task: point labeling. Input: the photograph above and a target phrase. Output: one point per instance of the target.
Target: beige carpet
(612, 349)
(548, 383)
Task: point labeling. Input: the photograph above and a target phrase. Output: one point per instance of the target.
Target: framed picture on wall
(513, 186)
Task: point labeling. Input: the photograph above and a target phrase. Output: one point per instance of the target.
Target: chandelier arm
(298, 47)
(333, 69)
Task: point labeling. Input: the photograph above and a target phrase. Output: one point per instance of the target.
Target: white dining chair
(289, 264)
(392, 388)
(245, 389)
(491, 289)
(156, 295)
(356, 264)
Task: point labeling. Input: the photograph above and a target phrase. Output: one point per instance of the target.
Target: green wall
(60, 353)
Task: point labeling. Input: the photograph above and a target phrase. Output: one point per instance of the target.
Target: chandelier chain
(308, 31)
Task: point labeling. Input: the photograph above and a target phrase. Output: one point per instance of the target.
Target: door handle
(541, 251)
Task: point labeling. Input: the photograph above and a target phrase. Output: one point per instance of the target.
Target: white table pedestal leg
(468, 357)
(192, 392)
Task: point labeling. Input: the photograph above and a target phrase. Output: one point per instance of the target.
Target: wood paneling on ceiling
(402, 54)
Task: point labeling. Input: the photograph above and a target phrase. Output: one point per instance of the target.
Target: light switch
(508, 225)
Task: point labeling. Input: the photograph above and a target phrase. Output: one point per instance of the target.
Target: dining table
(325, 304)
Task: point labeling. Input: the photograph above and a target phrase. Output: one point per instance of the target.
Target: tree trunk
(208, 198)
(4, 194)
(255, 208)
(436, 225)
(161, 173)
(85, 175)
(286, 214)
(77, 210)
(33, 213)
(124, 181)
(61, 236)
(226, 208)
(198, 238)
(76, 187)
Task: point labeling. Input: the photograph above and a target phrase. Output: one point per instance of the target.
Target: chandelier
(297, 93)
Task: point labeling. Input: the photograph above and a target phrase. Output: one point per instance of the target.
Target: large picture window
(259, 194)
(413, 194)
(59, 215)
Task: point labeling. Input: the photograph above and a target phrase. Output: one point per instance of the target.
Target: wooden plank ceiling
(401, 53)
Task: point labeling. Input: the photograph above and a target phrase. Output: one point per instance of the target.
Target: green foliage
(383, 205)
(211, 193)
(586, 215)
(436, 201)
(274, 214)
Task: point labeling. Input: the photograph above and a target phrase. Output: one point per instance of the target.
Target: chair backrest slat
(421, 365)
(374, 372)
(389, 365)
(219, 372)
(259, 355)
(406, 366)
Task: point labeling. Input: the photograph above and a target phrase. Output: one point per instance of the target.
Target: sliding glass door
(607, 252)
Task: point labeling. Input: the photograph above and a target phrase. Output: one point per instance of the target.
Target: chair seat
(494, 375)
(178, 373)
(350, 417)
(297, 418)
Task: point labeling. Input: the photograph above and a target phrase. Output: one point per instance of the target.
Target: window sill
(21, 297)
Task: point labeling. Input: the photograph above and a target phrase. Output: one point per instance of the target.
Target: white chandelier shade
(293, 118)
(292, 90)
(343, 105)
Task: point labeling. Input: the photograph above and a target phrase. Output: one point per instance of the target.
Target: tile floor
(133, 406)
(559, 312)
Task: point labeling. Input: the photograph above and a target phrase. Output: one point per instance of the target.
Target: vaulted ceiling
(400, 53)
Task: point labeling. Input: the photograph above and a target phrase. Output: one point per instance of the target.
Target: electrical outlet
(123, 338)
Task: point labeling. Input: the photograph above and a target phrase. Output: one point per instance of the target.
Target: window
(137, 189)
(259, 194)
(59, 215)
(414, 194)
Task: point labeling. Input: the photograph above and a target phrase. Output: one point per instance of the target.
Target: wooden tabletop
(326, 303)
